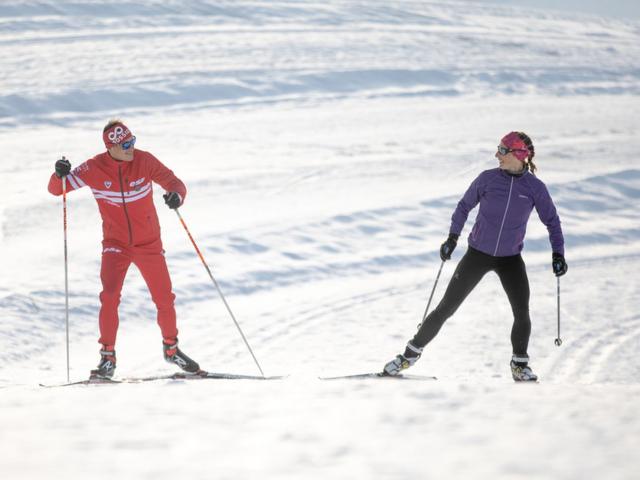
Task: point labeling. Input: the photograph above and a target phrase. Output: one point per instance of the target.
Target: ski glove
(447, 248)
(63, 167)
(559, 265)
(172, 199)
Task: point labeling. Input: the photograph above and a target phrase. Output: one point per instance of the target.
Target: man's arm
(74, 178)
(164, 177)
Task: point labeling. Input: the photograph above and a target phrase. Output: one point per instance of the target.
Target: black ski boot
(403, 361)
(107, 365)
(520, 370)
(173, 354)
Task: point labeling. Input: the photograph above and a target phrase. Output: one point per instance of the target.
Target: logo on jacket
(136, 183)
(107, 184)
(83, 167)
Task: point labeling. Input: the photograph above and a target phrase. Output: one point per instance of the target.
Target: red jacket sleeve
(55, 185)
(166, 178)
(74, 180)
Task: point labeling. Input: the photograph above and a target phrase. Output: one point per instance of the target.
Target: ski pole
(219, 291)
(66, 269)
(424, 317)
(558, 340)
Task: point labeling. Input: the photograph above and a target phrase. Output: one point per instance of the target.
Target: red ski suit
(131, 231)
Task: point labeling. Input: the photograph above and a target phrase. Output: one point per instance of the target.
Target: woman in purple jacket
(506, 195)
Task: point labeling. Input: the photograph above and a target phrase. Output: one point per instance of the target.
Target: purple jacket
(506, 202)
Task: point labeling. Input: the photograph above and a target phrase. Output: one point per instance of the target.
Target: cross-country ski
(202, 375)
(380, 375)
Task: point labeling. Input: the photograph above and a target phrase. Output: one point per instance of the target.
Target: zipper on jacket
(124, 205)
(504, 217)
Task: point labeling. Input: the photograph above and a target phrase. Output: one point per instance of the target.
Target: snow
(324, 146)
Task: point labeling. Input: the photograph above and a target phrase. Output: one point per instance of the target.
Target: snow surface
(324, 145)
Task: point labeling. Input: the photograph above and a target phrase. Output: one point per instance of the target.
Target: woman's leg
(513, 276)
(473, 266)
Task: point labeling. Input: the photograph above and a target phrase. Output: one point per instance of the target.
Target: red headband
(115, 135)
(513, 142)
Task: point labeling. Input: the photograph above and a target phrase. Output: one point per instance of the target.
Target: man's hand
(172, 199)
(63, 167)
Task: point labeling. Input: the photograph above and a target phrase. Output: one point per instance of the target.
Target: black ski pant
(473, 266)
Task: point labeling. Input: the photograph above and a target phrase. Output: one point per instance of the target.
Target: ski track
(602, 354)
(324, 147)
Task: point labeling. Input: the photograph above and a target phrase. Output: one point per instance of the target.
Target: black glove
(172, 199)
(63, 167)
(559, 265)
(447, 248)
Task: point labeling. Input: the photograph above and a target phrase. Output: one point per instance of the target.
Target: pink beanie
(513, 142)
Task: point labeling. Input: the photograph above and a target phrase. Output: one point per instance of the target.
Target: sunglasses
(128, 144)
(504, 150)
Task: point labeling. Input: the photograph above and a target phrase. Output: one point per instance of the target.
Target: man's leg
(115, 263)
(153, 268)
(155, 272)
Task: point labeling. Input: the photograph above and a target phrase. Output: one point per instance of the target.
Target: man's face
(119, 153)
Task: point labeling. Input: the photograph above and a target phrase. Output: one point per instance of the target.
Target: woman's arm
(467, 203)
(549, 216)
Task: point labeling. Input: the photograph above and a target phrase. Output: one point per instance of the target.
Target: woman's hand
(558, 265)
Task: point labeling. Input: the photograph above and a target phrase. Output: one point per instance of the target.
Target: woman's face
(508, 161)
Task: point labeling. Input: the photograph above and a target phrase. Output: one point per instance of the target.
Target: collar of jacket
(516, 175)
(112, 163)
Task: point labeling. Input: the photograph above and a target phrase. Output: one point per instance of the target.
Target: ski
(202, 375)
(89, 381)
(360, 376)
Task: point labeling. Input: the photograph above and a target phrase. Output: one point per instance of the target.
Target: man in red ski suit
(121, 182)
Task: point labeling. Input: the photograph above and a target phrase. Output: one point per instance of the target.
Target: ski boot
(520, 370)
(107, 365)
(403, 361)
(173, 354)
